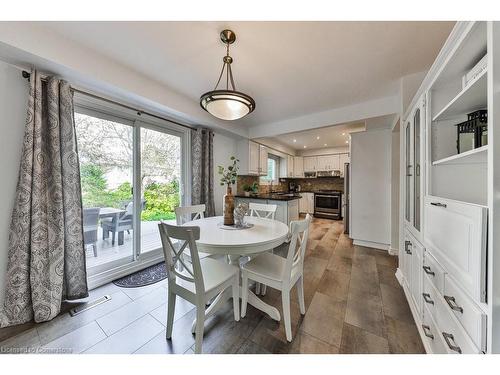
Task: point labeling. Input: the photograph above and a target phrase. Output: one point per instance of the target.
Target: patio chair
(90, 226)
(125, 223)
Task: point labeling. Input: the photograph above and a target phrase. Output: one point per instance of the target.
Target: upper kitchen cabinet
(328, 162)
(298, 166)
(311, 163)
(262, 160)
(253, 158)
(413, 132)
(286, 166)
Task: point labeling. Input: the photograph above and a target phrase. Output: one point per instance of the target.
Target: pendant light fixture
(227, 104)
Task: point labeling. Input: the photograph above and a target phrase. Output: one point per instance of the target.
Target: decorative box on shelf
(473, 133)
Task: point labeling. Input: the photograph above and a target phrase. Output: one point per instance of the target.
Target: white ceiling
(331, 136)
(289, 68)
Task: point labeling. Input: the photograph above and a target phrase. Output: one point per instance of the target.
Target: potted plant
(247, 189)
(255, 187)
(228, 178)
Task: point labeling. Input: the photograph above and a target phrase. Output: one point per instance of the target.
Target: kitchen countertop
(273, 197)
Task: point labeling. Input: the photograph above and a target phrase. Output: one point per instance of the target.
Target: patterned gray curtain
(46, 262)
(202, 158)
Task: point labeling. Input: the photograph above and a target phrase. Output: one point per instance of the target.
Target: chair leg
(170, 313)
(200, 322)
(244, 295)
(120, 238)
(236, 297)
(257, 288)
(263, 289)
(300, 292)
(94, 247)
(113, 239)
(285, 296)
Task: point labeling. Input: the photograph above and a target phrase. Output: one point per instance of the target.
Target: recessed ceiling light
(343, 133)
(325, 144)
(346, 141)
(294, 141)
(317, 137)
(305, 146)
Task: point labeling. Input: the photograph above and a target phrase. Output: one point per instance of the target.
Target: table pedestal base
(253, 300)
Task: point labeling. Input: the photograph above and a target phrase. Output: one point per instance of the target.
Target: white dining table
(266, 234)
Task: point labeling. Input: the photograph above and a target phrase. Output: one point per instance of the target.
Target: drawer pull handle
(407, 247)
(438, 204)
(427, 298)
(450, 341)
(428, 271)
(453, 304)
(427, 332)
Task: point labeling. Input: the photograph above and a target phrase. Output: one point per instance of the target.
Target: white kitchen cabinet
(455, 232)
(328, 162)
(253, 158)
(262, 160)
(306, 203)
(286, 211)
(289, 166)
(413, 262)
(298, 166)
(311, 163)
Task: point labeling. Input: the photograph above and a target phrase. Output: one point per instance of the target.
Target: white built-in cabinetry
(443, 257)
(330, 162)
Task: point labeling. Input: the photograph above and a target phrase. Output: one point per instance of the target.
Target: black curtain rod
(138, 111)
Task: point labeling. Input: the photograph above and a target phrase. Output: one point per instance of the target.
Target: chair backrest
(188, 213)
(91, 218)
(175, 240)
(267, 211)
(299, 231)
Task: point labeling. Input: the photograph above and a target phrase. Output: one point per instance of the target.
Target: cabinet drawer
(467, 313)
(456, 339)
(433, 335)
(455, 233)
(434, 271)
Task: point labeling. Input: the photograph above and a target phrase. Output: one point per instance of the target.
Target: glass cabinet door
(408, 175)
(416, 178)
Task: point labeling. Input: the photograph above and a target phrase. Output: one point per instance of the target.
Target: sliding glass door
(160, 180)
(131, 178)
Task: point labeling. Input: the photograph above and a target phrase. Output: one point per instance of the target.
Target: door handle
(427, 332)
(428, 271)
(450, 341)
(427, 298)
(439, 204)
(453, 304)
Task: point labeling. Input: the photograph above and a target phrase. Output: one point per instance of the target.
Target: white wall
(371, 187)
(224, 148)
(13, 100)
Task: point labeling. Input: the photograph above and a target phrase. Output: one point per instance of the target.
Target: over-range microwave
(309, 174)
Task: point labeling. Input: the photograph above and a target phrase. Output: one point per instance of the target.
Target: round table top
(265, 235)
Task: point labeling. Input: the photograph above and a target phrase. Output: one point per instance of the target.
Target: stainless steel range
(328, 204)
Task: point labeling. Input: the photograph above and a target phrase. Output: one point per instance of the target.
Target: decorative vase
(247, 193)
(229, 207)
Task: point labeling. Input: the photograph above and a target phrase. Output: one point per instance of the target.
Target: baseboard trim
(393, 251)
(375, 245)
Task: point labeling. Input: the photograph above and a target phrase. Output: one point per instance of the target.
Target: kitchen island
(287, 204)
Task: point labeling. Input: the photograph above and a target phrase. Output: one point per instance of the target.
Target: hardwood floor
(354, 304)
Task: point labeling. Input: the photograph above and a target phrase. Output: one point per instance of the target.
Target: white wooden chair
(267, 211)
(188, 213)
(199, 281)
(280, 273)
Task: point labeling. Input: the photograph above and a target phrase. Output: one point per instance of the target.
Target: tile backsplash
(306, 184)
